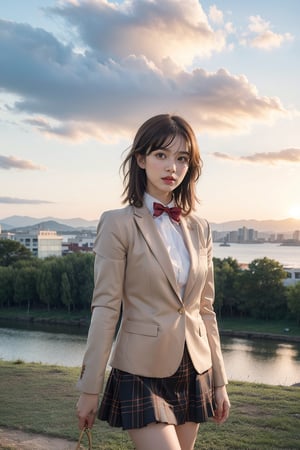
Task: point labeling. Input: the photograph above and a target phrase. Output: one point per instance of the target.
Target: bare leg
(187, 434)
(157, 436)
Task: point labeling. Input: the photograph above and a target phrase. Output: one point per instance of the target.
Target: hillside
(13, 222)
(54, 223)
(270, 226)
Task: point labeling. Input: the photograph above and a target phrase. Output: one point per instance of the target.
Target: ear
(141, 160)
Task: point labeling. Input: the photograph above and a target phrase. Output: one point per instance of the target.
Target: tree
(226, 273)
(45, 284)
(262, 290)
(86, 280)
(293, 300)
(219, 275)
(6, 286)
(80, 270)
(12, 251)
(65, 291)
(25, 286)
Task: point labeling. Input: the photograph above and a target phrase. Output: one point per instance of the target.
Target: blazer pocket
(144, 329)
(202, 329)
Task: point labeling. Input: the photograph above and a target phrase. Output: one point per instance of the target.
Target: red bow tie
(174, 212)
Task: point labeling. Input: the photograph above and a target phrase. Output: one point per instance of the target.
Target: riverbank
(280, 330)
(78, 319)
(262, 416)
(260, 335)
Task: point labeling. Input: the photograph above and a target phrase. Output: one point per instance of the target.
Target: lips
(169, 180)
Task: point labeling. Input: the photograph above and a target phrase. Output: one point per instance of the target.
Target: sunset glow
(294, 212)
(81, 77)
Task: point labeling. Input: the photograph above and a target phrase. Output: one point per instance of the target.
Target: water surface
(257, 360)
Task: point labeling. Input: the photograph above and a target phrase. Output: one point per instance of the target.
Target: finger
(221, 414)
(217, 418)
(82, 423)
(91, 419)
(224, 413)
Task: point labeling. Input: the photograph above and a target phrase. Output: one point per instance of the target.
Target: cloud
(290, 155)
(10, 162)
(262, 37)
(215, 14)
(130, 66)
(19, 201)
(180, 29)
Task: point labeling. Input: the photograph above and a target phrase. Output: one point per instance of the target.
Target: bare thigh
(157, 436)
(187, 434)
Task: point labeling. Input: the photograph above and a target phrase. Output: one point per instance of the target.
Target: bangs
(162, 143)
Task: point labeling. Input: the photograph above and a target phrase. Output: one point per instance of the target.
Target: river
(261, 361)
(288, 256)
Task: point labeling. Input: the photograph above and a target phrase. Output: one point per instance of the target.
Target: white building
(42, 243)
(293, 276)
(29, 240)
(6, 234)
(49, 244)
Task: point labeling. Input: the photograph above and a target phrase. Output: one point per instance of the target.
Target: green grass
(42, 399)
(55, 314)
(261, 326)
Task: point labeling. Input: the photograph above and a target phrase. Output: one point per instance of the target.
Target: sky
(78, 78)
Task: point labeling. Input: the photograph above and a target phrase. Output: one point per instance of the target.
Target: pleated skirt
(132, 401)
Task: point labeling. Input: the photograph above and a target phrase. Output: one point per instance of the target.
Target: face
(165, 169)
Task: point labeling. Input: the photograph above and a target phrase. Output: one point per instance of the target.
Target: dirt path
(19, 440)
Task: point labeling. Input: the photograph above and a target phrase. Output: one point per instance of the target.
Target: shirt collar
(149, 200)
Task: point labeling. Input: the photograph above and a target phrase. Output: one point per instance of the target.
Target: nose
(171, 167)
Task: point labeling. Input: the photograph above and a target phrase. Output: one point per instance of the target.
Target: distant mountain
(24, 221)
(49, 225)
(268, 226)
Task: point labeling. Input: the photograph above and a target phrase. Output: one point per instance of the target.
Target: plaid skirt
(132, 401)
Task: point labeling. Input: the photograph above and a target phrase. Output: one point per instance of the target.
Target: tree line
(51, 283)
(256, 292)
(67, 283)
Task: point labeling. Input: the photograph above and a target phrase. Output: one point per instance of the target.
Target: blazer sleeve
(109, 268)
(209, 318)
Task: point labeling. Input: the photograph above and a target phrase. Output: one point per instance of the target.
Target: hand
(86, 407)
(223, 405)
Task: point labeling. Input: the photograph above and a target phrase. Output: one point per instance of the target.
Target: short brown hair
(158, 132)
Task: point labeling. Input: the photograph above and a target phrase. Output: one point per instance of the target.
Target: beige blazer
(132, 267)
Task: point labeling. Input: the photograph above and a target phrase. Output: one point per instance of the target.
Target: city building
(41, 243)
(296, 235)
(293, 276)
(49, 244)
(246, 235)
(82, 243)
(6, 234)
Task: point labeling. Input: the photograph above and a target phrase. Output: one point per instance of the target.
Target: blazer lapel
(190, 234)
(152, 237)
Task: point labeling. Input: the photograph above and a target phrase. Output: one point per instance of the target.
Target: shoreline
(82, 324)
(51, 321)
(259, 335)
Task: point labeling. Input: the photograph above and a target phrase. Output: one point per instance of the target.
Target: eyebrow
(184, 152)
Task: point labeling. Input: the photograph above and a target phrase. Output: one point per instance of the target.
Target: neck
(162, 199)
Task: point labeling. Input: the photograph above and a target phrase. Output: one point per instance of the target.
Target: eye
(184, 159)
(160, 155)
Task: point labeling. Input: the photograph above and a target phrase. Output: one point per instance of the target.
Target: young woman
(154, 258)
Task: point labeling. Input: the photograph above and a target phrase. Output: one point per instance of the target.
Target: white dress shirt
(170, 232)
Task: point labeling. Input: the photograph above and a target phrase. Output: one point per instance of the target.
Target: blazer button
(181, 310)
